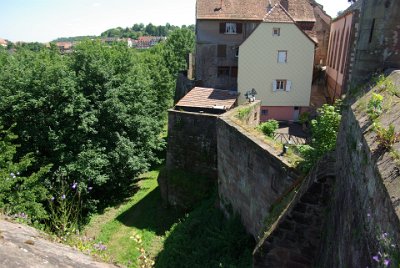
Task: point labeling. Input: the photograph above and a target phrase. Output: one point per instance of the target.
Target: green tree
(179, 44)
(21, 192)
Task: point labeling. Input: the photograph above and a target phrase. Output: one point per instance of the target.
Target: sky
(46, 20)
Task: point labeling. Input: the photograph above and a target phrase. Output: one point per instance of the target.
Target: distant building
(65, 47)
(3, 42)
(277, 61)
(144, 42)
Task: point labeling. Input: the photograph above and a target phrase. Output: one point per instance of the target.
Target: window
(237, 53)
(276, 32)
(223, 71)
(281, 85)
(264, 112)
(230, 28)
(282, 56)
(234, 71)
(371, 33)
(221, 51)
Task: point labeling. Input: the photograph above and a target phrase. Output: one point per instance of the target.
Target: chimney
(269, 7)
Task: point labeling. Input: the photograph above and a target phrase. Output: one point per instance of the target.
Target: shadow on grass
(205, 238)
(149, 213)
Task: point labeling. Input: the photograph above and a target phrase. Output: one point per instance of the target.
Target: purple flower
(376, 258)
(63, 196)
(90, 188)
(386, 262)
(74, 185)
(384, 235)
(369, 215)
(52, 198)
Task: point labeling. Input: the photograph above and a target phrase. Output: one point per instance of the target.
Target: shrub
(304, 117)
(269, 127)
(386, 137)
(375, 106)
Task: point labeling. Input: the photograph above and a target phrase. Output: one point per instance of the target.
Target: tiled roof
(312, 35)
(3, 42)
(210, 98)
(300, 10)
(278, 14)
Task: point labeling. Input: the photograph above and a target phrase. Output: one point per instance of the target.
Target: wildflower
(13, 175)
(384, 235)
(52, 198)
(386, 262)
(74, 185)
(375, 258)
(63, 196)
(369, 215)
(90, 188)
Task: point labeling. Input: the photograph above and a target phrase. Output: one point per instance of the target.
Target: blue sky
(45, 20)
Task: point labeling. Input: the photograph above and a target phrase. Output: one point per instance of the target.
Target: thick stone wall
(251, 177)
(364, 215)
(192, 149)
(378, 44)
(192, 143)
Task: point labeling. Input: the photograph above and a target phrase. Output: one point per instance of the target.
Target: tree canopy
(95, 114)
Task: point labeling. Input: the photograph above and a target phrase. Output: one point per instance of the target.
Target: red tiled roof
(300, 10)
(200, 97)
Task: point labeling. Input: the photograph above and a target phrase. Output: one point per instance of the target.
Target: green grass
(143, 229)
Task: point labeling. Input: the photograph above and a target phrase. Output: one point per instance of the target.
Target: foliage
(140, 29)
(386, 138)
(375, 106)
(205, 238)
(304, 118)
(179, 44)
(269, 127)
(324, 130)
(21, 192)
(242, 113)
(96, 113)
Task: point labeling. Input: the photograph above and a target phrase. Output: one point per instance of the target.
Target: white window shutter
(274, 85)
(288, 85)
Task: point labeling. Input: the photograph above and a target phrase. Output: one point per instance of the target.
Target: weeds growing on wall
(243, 113)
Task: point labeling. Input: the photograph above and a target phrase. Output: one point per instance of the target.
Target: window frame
(237, 28)
(276, 31)
(286, 56)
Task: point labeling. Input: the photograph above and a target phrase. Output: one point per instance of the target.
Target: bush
(375, 106)
(269, 127)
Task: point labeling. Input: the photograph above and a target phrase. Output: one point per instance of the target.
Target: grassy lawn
(143, 233)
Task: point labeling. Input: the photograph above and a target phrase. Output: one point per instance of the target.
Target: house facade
(223, 25)
(340, 45)
(364, 41)
(277, 61)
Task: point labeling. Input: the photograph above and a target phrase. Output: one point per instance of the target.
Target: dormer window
(276, 32)
(230, 28)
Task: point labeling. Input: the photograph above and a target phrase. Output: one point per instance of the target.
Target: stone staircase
(294, 239)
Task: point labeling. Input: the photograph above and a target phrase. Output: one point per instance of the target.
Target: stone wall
(192, 149)
(250, 174)
(364, 215)
(192, 143)
(378, 43)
